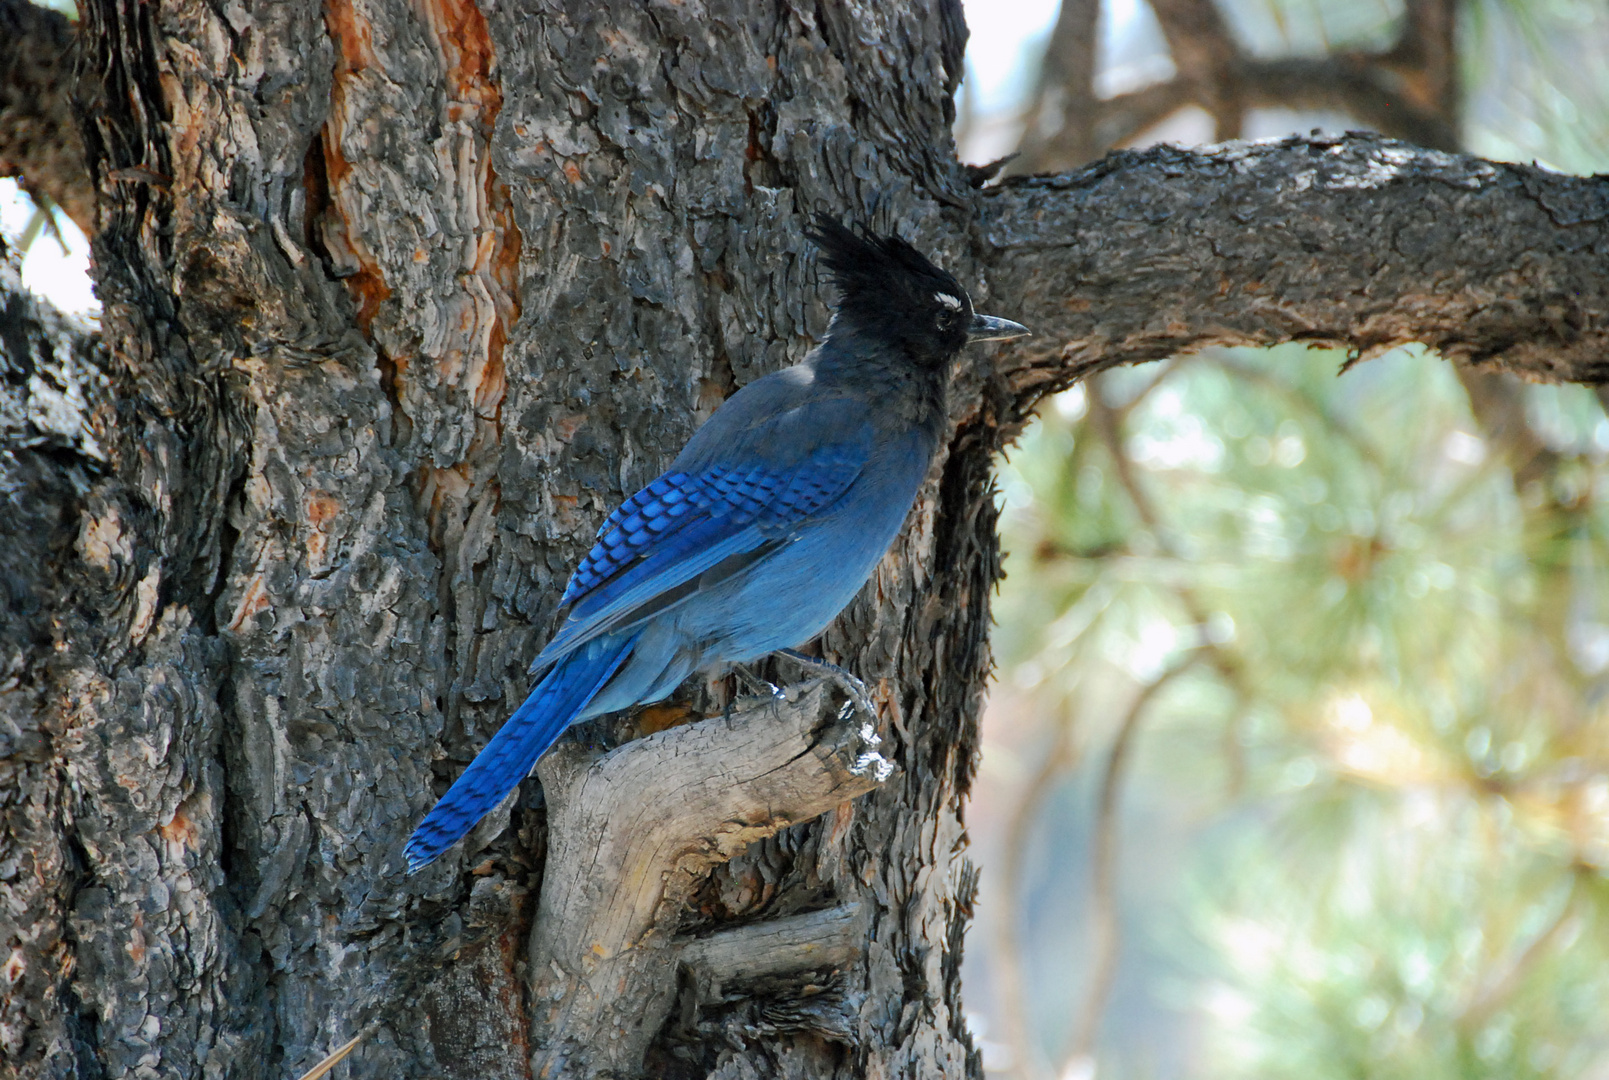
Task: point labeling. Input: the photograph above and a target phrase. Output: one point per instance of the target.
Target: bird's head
(890, 291)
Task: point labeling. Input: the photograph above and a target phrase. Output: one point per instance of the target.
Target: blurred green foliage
(1397, 697)
(1363, 829)
(1395, 733)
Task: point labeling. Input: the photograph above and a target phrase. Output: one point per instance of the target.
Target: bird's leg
(860, 700)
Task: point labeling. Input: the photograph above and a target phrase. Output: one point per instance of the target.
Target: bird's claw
(753, 682)
(860, 700)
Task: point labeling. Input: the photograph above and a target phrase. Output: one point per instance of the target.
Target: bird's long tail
(551, 707)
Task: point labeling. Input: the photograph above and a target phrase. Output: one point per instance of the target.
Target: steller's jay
(764, 527)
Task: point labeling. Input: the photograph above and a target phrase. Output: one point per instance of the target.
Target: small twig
(1027, 1060)
(340, 1052)
(1065, 94)
(1490, 995)
(1105, 931)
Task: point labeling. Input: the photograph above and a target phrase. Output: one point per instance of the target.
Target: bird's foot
(860, 699)
(756, 685)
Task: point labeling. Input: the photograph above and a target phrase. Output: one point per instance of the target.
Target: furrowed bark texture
(399, 299)
(1359, 242)
(50, 462)
(396, 315)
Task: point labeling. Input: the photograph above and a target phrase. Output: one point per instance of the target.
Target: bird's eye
(947, 320)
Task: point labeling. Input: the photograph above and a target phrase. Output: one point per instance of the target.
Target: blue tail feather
(553, 704)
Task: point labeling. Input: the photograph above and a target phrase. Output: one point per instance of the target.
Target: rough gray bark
(1357, 242)
(399, 299)
(50, 466)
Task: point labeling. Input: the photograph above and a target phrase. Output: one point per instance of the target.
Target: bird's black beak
(989, 328)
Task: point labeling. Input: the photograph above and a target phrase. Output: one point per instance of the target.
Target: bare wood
(833, 937)
(635, 831)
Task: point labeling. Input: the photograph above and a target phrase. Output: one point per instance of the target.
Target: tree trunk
(399, 299)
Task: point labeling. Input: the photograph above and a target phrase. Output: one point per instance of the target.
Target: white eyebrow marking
(948, 301)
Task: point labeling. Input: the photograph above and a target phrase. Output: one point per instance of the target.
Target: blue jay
(763, 528)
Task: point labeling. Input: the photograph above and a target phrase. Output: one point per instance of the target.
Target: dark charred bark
(400, 299)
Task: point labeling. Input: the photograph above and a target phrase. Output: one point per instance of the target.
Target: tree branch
(1207, 58)
(1368, 87)
(1425, 59)
(1028, 1061)
(1105, 929)
(832, 938)
(1059, 130)
(634, 831)
(1125, 116)
(1357, 242)
(1506, 974)
(39, 139)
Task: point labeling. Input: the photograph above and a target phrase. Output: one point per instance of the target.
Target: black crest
(889, 289)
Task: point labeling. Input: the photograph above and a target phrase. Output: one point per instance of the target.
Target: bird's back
(764, 527)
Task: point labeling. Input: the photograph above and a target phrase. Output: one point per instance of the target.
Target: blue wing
(689, 530)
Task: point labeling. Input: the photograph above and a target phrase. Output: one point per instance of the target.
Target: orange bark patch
(489, 391)
(444, 494)
(321, 507)
(511, 949)
(354, 52)
(13, 968)
(565, 427)
(353, 37)
(136, 944)
(255, 599)
(663, 717)
(467, 48)
(181, 830)
(467, 60)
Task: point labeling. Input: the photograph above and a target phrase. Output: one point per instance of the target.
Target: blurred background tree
(1298, 763)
